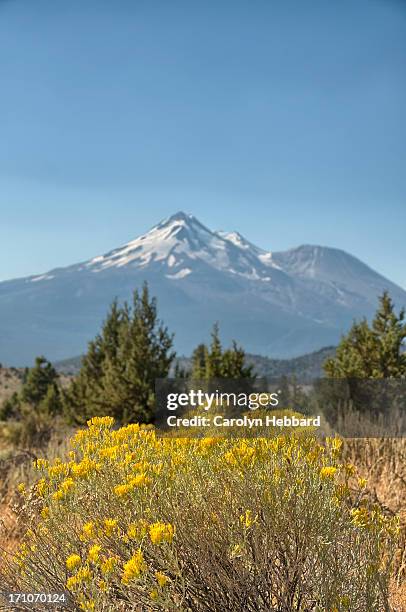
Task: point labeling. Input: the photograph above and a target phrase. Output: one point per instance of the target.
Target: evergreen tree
(368, 354)
(119, 371)
(11, 408)
(214, 362)
(85, 395)
(233, 363)
(374, 351)
(215, 355)
(39, 379)
(36, 405)
(51, 403)
(200, 363)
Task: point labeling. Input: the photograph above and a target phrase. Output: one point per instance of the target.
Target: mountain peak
(182, 244)
(178, 217)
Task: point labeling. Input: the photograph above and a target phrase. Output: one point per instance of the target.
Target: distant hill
(305, 367)
(69, 367)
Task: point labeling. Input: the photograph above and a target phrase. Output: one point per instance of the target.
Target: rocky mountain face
(274, 303)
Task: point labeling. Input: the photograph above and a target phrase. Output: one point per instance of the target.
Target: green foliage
(215, 355)
(40, 384)
(31, 412)
(200, 362)
(372, 351)
(39, 394)
(214, 362)
(10, 409)
(119, 370)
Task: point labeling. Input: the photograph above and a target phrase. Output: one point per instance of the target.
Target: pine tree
(233, 363)
(374, 351)
(119, 371)
(215, 355)
(11, 408)
(214, 362)
(365, 356)
(36, 405)
(39, 381)
(51, 403)
(389, 331)
(85, 396)
(200, 363)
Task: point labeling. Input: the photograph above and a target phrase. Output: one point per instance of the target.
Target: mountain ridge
(281, 304)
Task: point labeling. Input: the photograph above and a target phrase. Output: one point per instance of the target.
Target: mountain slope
(279, 304)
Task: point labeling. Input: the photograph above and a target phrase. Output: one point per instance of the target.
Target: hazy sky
(283, 120)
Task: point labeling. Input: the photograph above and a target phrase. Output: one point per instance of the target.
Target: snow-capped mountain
(279, 304)
(181, 242)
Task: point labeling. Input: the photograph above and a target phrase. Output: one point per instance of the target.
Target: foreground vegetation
(129, 519)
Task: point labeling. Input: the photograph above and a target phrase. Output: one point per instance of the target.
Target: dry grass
(383, 463)
(10, 382)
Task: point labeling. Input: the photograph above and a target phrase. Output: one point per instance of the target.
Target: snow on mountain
(182, 239)
(275, 303)
(336, 270)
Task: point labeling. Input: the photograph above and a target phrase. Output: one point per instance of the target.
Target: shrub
(134, 521)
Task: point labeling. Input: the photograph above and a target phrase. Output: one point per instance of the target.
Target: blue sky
(283, 120)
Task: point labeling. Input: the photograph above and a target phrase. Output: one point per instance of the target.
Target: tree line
(134, 348)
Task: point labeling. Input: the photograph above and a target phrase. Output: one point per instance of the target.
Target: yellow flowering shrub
(131, 520)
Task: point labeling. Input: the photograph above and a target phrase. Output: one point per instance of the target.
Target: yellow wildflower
(110, 526)
(83, 575)
(111, 452)
(137, 531)
(335, 444)
(154, 595)
(88, 605)
(71, 583)
(84, 467)
(140, 480)
(67, 485)
(73, 562)
(328, 471)
(161, 532)
(134, 567)
(101, 422)
(88, 531)
(109, 565)
(40, 464)
(45, 512)
(93, 554)
(350, 469)
(246, 519)
(121, 490)
(360, 517)
(41, 487)
(161, 579)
